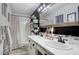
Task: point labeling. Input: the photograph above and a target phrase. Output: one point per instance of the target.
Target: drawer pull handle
(45, 54)
(29, 40)
(33, 44)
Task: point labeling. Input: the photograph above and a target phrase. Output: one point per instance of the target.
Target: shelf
(65, 24)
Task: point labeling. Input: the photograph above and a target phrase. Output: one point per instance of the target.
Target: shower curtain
(15, 32)
(19, 31)
(24, 30)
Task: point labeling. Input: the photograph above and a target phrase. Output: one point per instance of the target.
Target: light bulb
(52, 29)
(39, 10)
(41, 7)
(44, 5)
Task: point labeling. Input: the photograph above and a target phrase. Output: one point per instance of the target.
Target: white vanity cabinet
(32, 45)
(36, 49)
(41, 50)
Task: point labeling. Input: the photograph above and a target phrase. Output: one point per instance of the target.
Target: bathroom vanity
(36, 49)
(41, 46)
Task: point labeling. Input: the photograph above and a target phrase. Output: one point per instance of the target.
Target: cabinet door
(32, 50)
(41, 50)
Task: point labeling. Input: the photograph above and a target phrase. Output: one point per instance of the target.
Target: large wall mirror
(71, 17)
(59, 18)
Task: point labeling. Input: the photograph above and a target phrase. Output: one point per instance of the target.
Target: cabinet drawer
(32, 43)
(42, 50)
(37, 47)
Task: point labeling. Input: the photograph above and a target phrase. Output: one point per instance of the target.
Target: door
(6, 44)
(1, 40)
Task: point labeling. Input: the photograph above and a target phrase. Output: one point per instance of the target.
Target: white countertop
(41, 41)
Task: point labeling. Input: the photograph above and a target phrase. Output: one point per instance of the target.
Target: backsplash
(73, 31)
(42, 29)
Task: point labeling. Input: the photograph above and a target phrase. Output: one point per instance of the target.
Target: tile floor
(20, 51)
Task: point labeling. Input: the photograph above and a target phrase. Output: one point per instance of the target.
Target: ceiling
(29, 8)
(24, 8)
(52, 9)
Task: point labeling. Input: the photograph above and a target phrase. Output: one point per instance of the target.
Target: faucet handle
(59, 37)
(65, 40)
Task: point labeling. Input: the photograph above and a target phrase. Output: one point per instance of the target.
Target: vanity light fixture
(41, 7)
(44, 7)
(39, 10)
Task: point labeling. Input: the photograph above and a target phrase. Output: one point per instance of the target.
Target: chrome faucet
(61, 40)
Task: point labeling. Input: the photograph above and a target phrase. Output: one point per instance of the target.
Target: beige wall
(67, 9)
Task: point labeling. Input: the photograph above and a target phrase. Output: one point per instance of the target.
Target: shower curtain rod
(20, 16)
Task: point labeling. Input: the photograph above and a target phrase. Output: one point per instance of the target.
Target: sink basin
(58, 45)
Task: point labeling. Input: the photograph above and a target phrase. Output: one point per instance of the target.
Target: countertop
(41, 41)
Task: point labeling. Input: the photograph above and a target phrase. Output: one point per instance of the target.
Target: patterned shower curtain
(15, 32)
